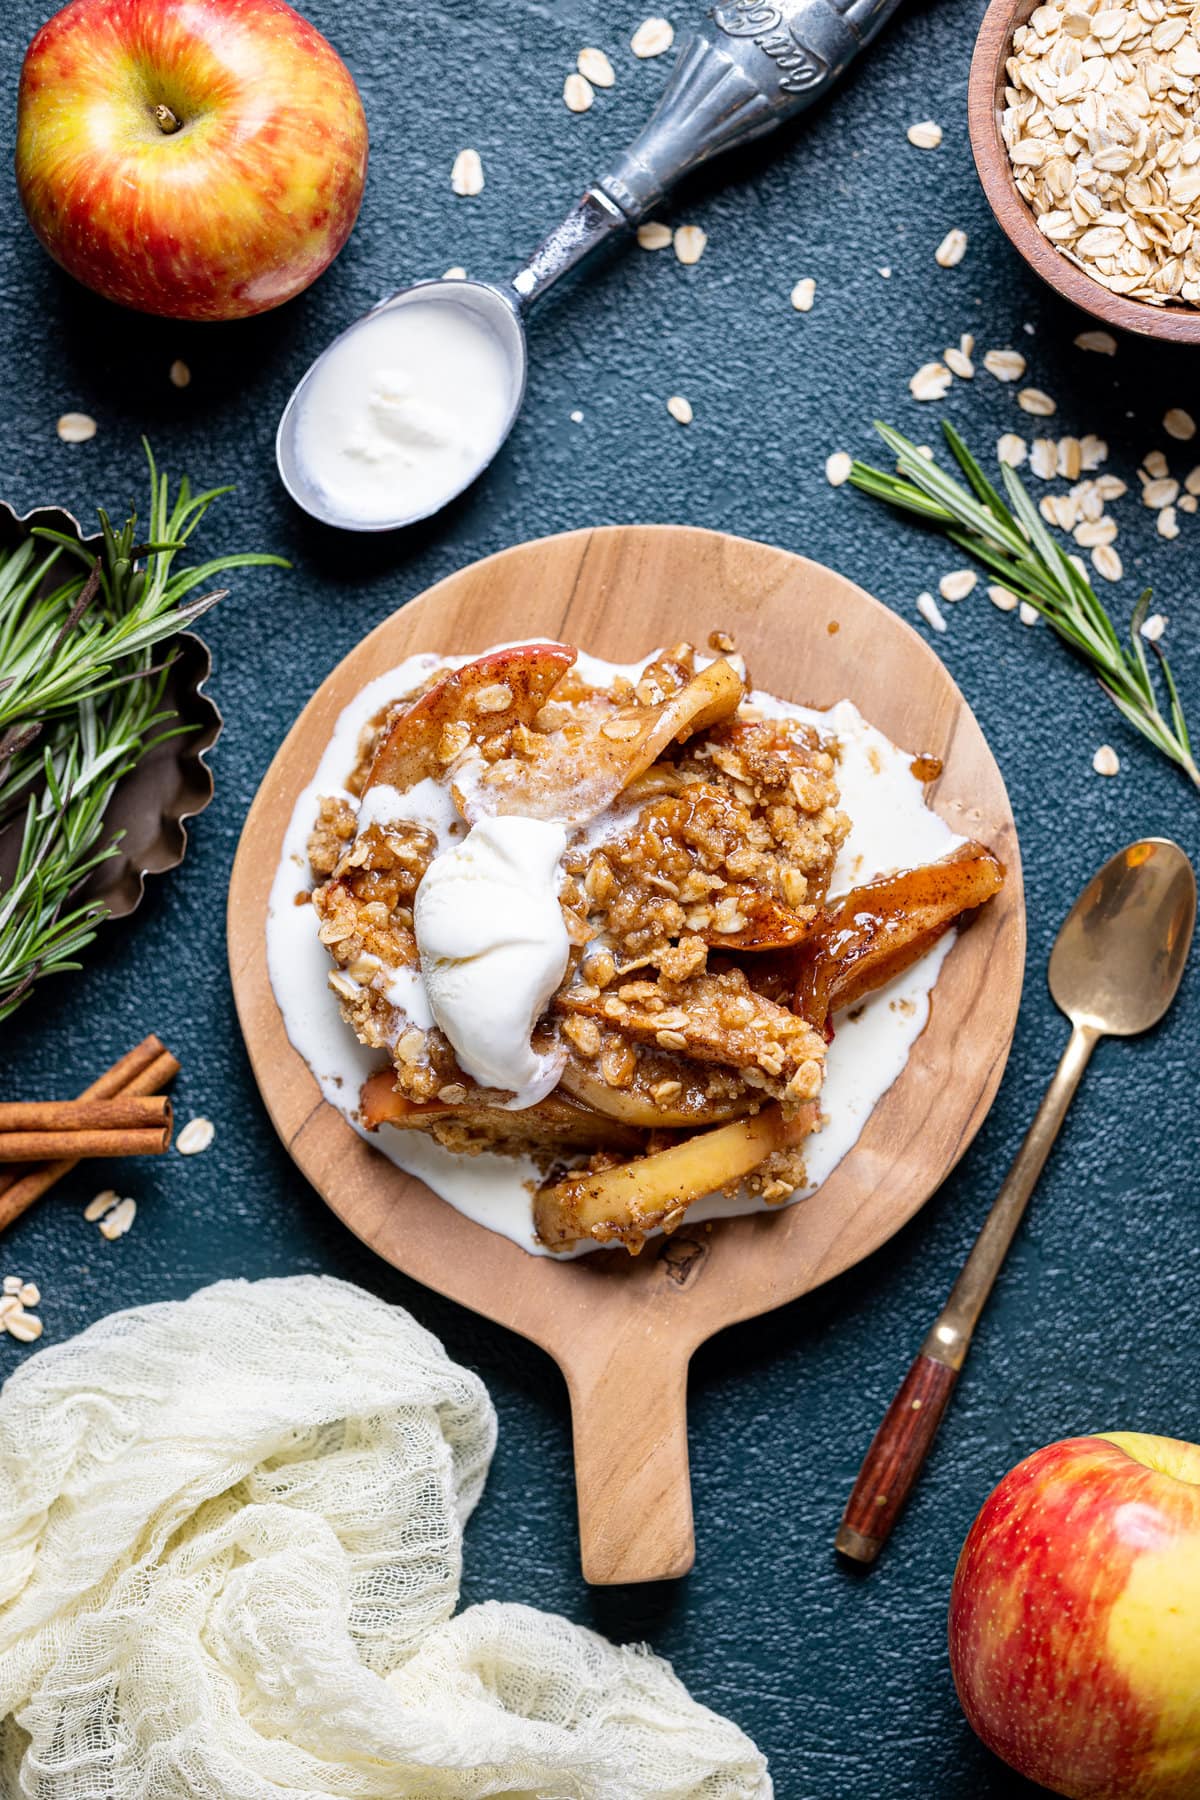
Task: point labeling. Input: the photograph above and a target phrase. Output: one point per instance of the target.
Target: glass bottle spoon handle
(749, 67)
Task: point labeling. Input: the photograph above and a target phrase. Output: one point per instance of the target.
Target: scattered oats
(1011, 449)
(958, 584)
(930, 611)
(1179, 424)
(1027, 613)
(1091, 533)
(1003, 597)
(837, 468)
(76, 428)
(577, 417)
(1156, 465)
(457, 273)
(1153, 627)
(1109, 487)
(180, 373)
(925, 136)
(1005, 365)
(951, 250)
(578, 92)
(689, 243)
(1059, 509)
(1070, 458)
(1188, 503)
(959, 363)
(1043, 458)
(1163, 492)
(931, 382)
(1106, 761)
(654, 235)
(12, 1284)
(652, 37)
(596, 67)
(96, 1209)
(24, 1326)
(29, 1293)
(1107, 562)
(1093, 450)
(926, 451)
(886, 273)
(466, 177)
(1192, 481)
(196, 1136)
(1168, 524)
(804, 293)
(1033, 400)
(1103, 342)
(119, 1220)
(8, 1304)
(680, 409)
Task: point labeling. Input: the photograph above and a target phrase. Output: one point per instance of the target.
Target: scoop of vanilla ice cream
(493, 948)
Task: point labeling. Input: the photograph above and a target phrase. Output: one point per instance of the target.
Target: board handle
(895, 1459)
(629, 1420)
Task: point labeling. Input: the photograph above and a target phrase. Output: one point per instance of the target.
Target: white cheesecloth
(230, 1551)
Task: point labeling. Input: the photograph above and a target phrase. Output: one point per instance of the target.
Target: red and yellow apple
(1075, 1618)
(202, 159)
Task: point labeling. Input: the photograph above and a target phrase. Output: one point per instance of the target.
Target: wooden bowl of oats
(1084, 118)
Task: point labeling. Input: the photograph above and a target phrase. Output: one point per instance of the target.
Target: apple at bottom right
(1075, 1618)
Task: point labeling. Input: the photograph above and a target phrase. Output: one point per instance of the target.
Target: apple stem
(167, 120)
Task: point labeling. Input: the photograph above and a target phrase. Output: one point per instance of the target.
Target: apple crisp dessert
(586, 918)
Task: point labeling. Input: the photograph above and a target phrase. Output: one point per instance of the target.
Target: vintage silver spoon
(1115, 968)
(749, 67)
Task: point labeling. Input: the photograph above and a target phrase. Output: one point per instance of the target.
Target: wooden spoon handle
(895, 1459)
(629, 1417)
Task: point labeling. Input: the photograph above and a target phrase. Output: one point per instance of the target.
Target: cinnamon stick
(119, 1079)
(145, 1069)
(122, 1111)
(50, 1146)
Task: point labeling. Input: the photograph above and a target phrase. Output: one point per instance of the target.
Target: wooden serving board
(623, 1329)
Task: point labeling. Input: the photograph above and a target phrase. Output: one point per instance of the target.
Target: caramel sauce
(926, 768)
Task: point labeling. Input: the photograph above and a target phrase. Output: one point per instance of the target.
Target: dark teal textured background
(842, 1680)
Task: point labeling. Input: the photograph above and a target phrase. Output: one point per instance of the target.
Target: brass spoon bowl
(1115, 968)
(1119, 958)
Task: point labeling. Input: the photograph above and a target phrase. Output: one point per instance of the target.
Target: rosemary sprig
(80, 705)
(1014, 546)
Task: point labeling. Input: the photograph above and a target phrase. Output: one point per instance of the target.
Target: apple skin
(1075, 1618)
(233, 213)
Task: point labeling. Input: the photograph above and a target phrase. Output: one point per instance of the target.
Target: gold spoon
(1114, 970)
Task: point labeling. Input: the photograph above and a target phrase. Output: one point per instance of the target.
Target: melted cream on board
(891, 828)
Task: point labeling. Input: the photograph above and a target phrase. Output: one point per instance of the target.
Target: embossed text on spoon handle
(750, 66)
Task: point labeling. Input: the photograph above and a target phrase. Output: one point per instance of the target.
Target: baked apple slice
(595, 769)
(621, 1204)
(875, 932)
(767, 924)
(556, 1121)
(638, 1104)
(478, 701)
